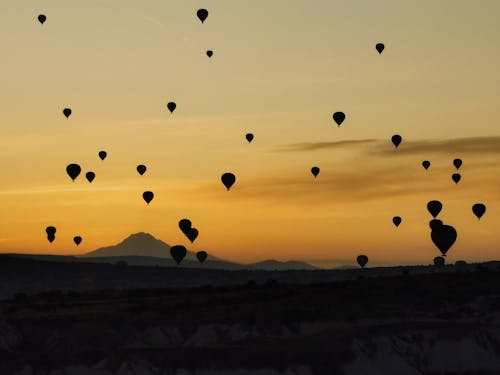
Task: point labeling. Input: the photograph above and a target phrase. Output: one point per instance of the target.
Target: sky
(280, 69)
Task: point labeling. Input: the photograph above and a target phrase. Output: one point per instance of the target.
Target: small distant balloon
(434, 208)
(426, 164)
(77, 240)
(202, 256)
(379, 47)
(171, 106)
(51, 233)
(191, 234)
(228, 180)
(479, 209)
(210, 53)
(443, 236)
(439, 261)
(102, 155)
(67, 112)
(315, 171)
(202, 14)
(396, 139)
(362, 260)
(249, 137)
(90, 176)
(456, 177)
(186, 228)
(457, 163)
(396, 220)
(73, 170)
(339, 117)
(42, 18)
(141, 169)
(148, 196)
(178, 252)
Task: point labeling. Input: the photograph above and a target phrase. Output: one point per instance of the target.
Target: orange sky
(279, 70)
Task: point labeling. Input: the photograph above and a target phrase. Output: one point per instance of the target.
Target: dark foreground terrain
(428, 322)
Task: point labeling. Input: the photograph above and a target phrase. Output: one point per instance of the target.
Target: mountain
(275, 265)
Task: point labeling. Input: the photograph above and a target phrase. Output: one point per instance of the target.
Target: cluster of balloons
(51, 235)
(178, 252)
(456, 177)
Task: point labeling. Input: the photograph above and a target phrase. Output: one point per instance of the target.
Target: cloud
(312, 146)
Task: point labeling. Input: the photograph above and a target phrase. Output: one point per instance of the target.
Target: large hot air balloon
(42, 18)
(478, 209)
(396, 220)
(396, 140)
(202, 14)
(434, 208)
(379, 47)
(315, 171)
(202, 256)
(228, 180)
(362, 260)
(426, 164)
(456, 177)
(73, 170)
(443, 236)
(67, 112)
(141, 169)
(171, 106)
(339, 117)
(210, 53)
(148, 196)
(439, 262)
(457, 163)
(90, 176)
(249, 137)
(77, 240)
(178, 252)
(102, 155)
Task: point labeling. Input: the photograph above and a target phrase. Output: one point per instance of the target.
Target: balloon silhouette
(443, 236)
(192, 233)
(315, 171)
(439, 261)
(67, 112)
(148, 196)
(434, 208)
(141, 169)
(426, 164)
(73, 170)
(171, 106)
(435, 224)
(102, 155)
(396, 220)
(249, 137)
(362, 260)
(228, 180)
(339, 117)
(210, 53)
(90, 176)
(379, 47)
(202, 256)
(202, 14)
(456, 177)
(51, 233)
(396, 140)
(178, 252)
(189, 232)
(42, 18)
(457, 163)
(51, 238)
(77, 240)
(479, 209)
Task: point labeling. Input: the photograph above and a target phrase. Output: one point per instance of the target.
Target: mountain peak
(137, 244)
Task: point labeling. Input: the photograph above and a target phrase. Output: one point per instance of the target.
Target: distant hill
(275, 265)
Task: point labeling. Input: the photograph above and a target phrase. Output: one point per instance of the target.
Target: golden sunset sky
(280, 69)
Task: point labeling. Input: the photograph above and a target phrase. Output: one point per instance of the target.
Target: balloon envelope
(210, 53)
(396, 139)
(202, 256)
(479, 209)
(171, 106)
(444, 236)
(396, 220)
(184, 225)
(67, 112)
(77, 240)
(202, 14)
(102, 155)
(339, 117)
(434, 208)
(456, 177)
(90, 176)
(315, 171)
(141, 169)
(249, 137)
(50, 231)
(51, 237)
(178, 252)
(362, 260)
(379, 47)
(148, 196)
(42, 18)
(192, 233)
(426, 164)
(73, 171)
(457, 163)
(435, 224)
(228, 179)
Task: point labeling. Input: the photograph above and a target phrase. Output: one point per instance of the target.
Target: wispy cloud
(312, 146)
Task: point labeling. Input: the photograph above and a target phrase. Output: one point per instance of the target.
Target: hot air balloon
(439, 262)
(434, 208)
(77, 240)
(435, 224)
(67, 112)
(426, 164)
(379, 47)
(202, 14)
(202, 256)
(396, 220)
(185, 225)
(90, 176)
(73, 170)
(42, 18)
(457, 163)
(479, 209)
(339, 117)
(171, 106)
(141, 169)
(210, 53)
(443, 236)
(456, 177)
(249, 137)
(148, 196)
(228, 180)
(315, 171)
(191, 234)
(102, 155)
(396, 140)
(362, 260)
(178, 252)
(51, 233)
